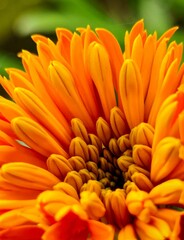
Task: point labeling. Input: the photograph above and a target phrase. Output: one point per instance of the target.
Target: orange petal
(70, 227)
(127, 232)
(18, 233)
(101, 73)
(36, 137)
(131, 93)
(168, 192)
(114, 52)
(99, 231)
(28, 176)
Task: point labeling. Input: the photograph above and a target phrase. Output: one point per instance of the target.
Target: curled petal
(51, 202)
(66, 188)
(92, 204)
(70, 226)
(140, 205)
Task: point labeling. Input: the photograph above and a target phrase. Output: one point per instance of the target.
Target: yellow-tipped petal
(131, 93)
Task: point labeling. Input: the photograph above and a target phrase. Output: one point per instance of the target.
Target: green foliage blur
(21, 18)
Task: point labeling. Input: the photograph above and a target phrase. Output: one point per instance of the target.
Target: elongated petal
(131, 93)
(114, 51)
(19, 233)
(38, 110)
(36, 137)
(28, 176)
(100, 71)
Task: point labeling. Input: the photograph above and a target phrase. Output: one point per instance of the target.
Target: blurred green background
(21, 18)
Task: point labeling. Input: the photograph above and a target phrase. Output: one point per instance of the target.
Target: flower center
(111, 156)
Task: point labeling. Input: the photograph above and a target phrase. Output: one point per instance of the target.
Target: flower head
(92, 145)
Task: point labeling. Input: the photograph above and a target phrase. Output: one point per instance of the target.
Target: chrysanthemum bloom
(92, 145)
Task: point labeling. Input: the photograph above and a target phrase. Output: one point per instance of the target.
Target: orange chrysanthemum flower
(92, 145)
